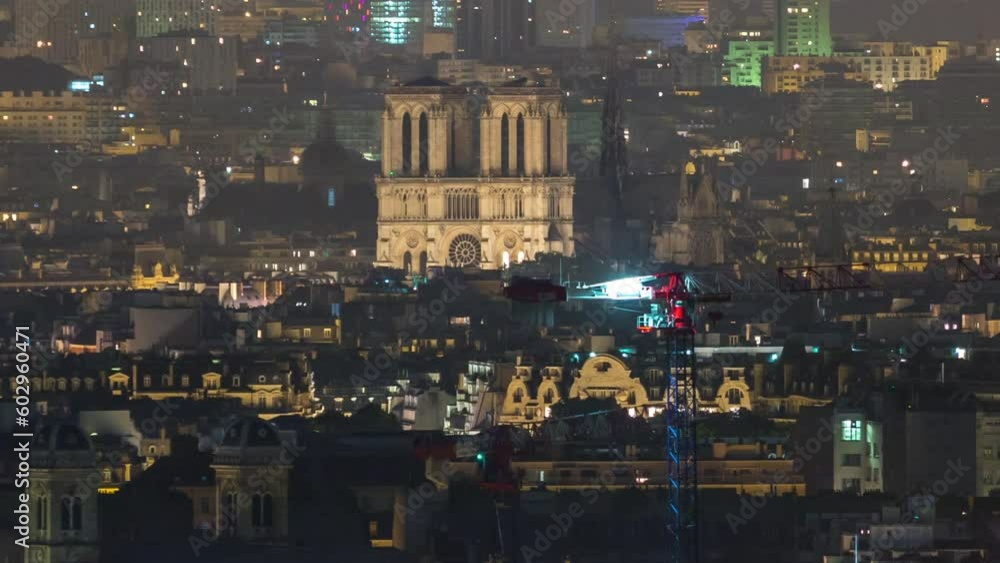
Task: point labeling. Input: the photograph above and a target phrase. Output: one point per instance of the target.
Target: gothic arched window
(71, 515)
(504, 146)
(407, 144)
(424, 135)
(520, 145)
(263, 510)
(43, 513)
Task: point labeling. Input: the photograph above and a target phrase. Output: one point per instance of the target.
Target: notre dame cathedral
(473, 181)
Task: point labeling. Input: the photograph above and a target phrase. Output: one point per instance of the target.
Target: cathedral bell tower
(63, 500)
(251, 474)
(697, 238)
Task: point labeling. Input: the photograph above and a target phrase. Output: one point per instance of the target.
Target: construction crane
(668, 325)
(666, 319)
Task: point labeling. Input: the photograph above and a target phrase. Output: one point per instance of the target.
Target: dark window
(267, 511)
(425, 158)
(451, 145)
(548, 146)
(263, 511)
(43, 513)
(504, 145)
(407, 144)
(520, 145)
(72, 513)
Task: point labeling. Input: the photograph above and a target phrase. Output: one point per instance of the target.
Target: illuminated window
(851, 431)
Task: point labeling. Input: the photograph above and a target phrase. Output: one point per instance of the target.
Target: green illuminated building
(745, 60)
(402, 22)
(802, 28)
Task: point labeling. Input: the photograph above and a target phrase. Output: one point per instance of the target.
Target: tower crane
(668, 325)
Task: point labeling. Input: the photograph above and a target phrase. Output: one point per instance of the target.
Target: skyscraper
(106, 16)
(684, 7)
(494, 29)
(397, 22)
(402, 22)
(443, 14)
(153, 17)
(50, 32)
(802, 28)
(575, 29)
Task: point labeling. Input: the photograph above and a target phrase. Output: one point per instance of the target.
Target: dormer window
(518, 396)
(236, 381)
(147, 381)
(185, 381)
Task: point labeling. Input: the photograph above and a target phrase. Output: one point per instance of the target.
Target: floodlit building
(156, 17)
(857, 452)
(43, 117)
(64, 523)
(744, 61)
(802, 27)
(440, 206)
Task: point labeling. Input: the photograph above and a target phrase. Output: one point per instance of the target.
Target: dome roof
(251, 433)
(324, 160)
(61, 437)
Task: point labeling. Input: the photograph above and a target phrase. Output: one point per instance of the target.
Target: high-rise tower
(802, 28)
(48, 31)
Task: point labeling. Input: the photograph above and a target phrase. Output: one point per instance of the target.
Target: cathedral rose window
(464, 250)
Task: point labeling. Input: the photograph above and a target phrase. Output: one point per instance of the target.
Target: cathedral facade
(473, 181)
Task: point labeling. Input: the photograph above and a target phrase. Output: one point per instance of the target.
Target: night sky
(935, 19)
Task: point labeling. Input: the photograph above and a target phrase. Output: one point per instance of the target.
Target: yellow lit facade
(43, 117)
